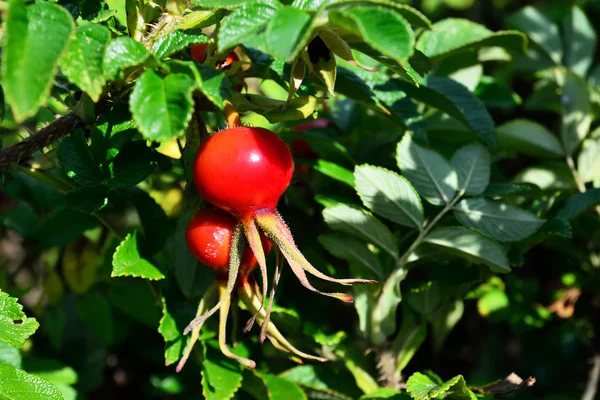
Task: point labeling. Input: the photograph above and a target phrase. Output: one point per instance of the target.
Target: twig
(592, 384)
(21, 151)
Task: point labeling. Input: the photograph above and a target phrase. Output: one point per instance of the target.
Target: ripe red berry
(243, 170)
(319, 123)
(209, 234)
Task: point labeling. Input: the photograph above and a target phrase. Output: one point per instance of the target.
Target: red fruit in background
(303, 149)
(243, 170)
(208, 236)
(198, 54)
(319, 123)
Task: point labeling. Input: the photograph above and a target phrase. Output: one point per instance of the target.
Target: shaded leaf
(470, 245)
(356, 222)
(539, 29)
(428, 171)
(502, 221)
(76, 159)
(528, 137)
(95, 312)
(472, 166)
(576, 116)
(133, 163)
(579, 203)
(352, 250)
(579, 41)
(87, 199)
(389, 195)
(588, 162)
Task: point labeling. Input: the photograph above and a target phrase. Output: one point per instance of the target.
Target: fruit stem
(231, 115)
(276, 277)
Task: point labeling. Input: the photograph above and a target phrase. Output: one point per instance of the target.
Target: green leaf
(588, 162)
(136, 299)
(280, 388)
(528, 137)
(61, 226)
(293, 25)
(505, 189)
(472, 166)
(175, 342)
(16, 384)
(502, 221)
(127, 261)
(386, 393)
(383, 319)
(15, 326)
(177, 41)
(424, 299)
(389, 195)
(87, 199)
(421, 387)
(221, 377)
(444, 320)
(455, 100)
(576, 115)
(409, 339)
(83, 61)
(32, 48)
(382, 28)
(352, 250)
(76, 159)
(357, 222)
(134, 162)
(212, 82)
(334, 171)
(94, 309)
(548, 177)
(579, 41)
(452, 35)
(153, 218)
(540, 30)
(579, 203)
(470, 245)
(162, 108)
(245, 22)
(427, 170)
(124, 52)
(10, 355)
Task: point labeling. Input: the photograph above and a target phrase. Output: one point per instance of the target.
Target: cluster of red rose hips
(243, 172)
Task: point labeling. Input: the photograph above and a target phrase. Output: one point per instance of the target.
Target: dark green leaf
(155, 223)
(502, 221)
(358, 223)
(389, 195)
(162, 108)
(136, 299)
(63, 225)
(177, 41)
(76, 159)
(352, 250)
(127, 261)
(528, 137)
(134, 162)
(95, 312)
(470, 245)
(579, 203)
(87, 199)
(15, 326)
(83, 61)
(32, 48)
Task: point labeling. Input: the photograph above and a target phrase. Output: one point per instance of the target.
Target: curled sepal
(223, 314)
(235, 257)
(296, 78)
(321, 62)
(278, 232)
(340, 48)
(209, 297)
(253, 237)
(250, 296)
